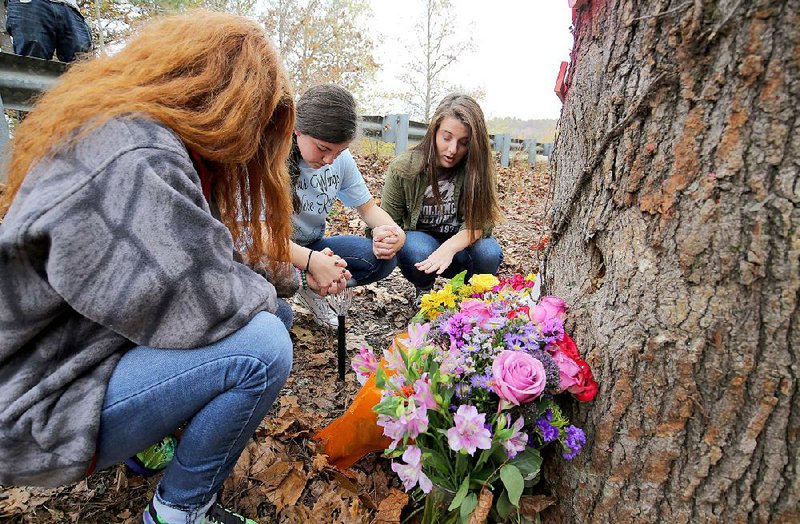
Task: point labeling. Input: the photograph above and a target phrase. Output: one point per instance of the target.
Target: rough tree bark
(675, 221)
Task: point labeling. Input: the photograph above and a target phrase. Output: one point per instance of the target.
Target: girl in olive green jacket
(443, 194)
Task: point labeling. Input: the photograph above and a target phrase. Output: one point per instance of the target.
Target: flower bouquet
(469, 397)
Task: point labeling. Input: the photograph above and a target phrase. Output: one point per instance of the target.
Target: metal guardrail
(400, 130)
(23, 78)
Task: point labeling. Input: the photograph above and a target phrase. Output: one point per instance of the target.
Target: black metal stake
(341, 348)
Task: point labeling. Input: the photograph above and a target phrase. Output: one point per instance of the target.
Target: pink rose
(568, 370)
(575, 376)
(547, 308)
(518, 377)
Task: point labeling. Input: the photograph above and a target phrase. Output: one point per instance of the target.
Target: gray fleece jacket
(106, 246)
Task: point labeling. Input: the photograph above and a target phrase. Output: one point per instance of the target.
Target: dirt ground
(282, 476)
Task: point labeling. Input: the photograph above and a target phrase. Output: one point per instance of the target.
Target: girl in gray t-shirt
(322, 171)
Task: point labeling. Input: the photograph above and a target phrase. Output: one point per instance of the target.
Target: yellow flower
(446, 296)
(483, 282)
(466, 291)
(429, 302)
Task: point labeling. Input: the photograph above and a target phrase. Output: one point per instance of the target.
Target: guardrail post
(502, 143)
(4, 138)
(547, 149)
(530, 147)
(395, 129)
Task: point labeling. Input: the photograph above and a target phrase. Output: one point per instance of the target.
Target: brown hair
(215, 80)
(326, 112)
(478, 201)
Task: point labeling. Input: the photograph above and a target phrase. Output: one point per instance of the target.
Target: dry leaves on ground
(282, 476)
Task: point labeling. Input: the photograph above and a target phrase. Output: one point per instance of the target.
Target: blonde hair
(215, 80)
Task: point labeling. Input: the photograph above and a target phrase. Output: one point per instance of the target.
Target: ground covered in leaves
(282, 475)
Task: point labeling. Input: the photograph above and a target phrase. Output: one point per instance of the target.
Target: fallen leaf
(481, 511)
(16, 501)
(283, 483)
(296, 515)
(391, 507)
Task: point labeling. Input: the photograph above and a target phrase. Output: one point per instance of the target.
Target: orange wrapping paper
(356, 433)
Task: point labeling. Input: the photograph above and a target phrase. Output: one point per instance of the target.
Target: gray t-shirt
(318, 190)
(439, 219)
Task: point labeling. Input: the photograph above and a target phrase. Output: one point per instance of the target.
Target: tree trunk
(675, 239)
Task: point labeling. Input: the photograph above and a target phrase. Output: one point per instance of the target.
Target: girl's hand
(328, 271)
(437, 261)
(387, 241)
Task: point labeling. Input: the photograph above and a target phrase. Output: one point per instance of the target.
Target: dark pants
(38, 28)
(483, 256)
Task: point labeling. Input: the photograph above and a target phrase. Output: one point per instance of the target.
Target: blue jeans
(40, 27)
(365, 267)
(483, 256)
(223, 390)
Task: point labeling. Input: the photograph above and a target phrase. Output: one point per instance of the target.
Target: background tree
(323, 41)
(115, 19)
(437, 47)
(675, 238)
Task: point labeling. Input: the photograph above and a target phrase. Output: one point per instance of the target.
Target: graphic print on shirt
(315, 192)
(439, 218)
(318, 190)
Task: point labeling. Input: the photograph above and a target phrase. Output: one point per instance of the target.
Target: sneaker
(153, 459)
(215, 515)
(319, 307)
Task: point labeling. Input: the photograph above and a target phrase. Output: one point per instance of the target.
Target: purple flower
(469, 433)
(364, 364)
(452, 362)
(575, 440)
(549, 432)
(513, 341)
(411, 423)
(482, 382)
(551, 369)
(422, 393)
(411, 473)
(418, 334)
(394, 358)
(553, 330)
(463, 390)
(518, 439)
(392, 428)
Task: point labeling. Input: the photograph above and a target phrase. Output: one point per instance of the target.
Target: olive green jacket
(404, 191)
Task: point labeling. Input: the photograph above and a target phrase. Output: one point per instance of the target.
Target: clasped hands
(387, 241)
(328, 274)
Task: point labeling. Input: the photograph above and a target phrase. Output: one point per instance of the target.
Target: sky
(519, 45)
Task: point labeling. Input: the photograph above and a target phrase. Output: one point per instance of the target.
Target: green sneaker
(153, 459)
(215, 515)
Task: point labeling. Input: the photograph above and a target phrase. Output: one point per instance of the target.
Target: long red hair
(215, 80)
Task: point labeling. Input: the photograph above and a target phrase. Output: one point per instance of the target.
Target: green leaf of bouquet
(504, 434)
(440, 463)
(388, 406)
(457, 281)
(528, 462)
(503, 506)
(512, 480)
(460, 494)
(470, 501)
(484, 456)
(380, 378)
